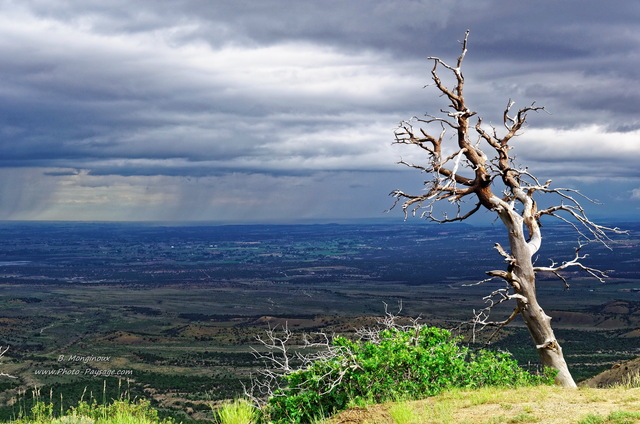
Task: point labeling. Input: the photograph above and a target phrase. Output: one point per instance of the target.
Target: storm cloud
(280, 110)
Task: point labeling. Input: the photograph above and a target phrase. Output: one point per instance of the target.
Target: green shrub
(400, 363)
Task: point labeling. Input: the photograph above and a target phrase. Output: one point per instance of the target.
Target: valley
(170, 312)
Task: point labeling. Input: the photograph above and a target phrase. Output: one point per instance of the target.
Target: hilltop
(539, 404)
(614, 392)
(621, 373)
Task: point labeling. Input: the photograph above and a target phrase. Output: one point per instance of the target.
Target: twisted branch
(4, 350)
(555, 269)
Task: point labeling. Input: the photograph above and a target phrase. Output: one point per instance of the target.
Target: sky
(284, 110)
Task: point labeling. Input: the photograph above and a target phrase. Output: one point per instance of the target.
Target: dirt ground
(548, 405)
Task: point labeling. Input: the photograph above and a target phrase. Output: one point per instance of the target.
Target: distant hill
(616, 313)
(620, 374)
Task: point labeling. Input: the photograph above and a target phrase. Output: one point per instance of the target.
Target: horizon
(310, 222)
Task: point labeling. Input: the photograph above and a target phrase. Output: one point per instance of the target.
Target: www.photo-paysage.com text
(87, 371)
(84, 359)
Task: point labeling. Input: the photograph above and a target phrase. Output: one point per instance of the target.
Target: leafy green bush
(400, 363)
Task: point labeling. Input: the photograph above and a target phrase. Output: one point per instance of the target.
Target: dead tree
(464, 177)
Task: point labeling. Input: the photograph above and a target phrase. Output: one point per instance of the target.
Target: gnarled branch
(575, 262)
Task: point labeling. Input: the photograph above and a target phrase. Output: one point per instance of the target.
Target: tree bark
(523, 280)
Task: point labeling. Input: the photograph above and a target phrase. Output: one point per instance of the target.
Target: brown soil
(548, 405)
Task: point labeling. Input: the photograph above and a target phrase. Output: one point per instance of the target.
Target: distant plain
(176, 308)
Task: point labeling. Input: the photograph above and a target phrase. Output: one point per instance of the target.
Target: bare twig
(282, 358)
(4, 350)
(575, 262)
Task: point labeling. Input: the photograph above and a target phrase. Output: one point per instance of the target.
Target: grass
(631, 380)
(237, 412)
(615, 417)
(117, 412)
(125, 411)
(404, 413)
(524, 418)
(539, 404)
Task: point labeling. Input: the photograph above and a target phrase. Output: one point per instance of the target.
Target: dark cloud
(135, 97)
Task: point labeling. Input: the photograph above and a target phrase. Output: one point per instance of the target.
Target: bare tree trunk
(549, 350)
(523, 280)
